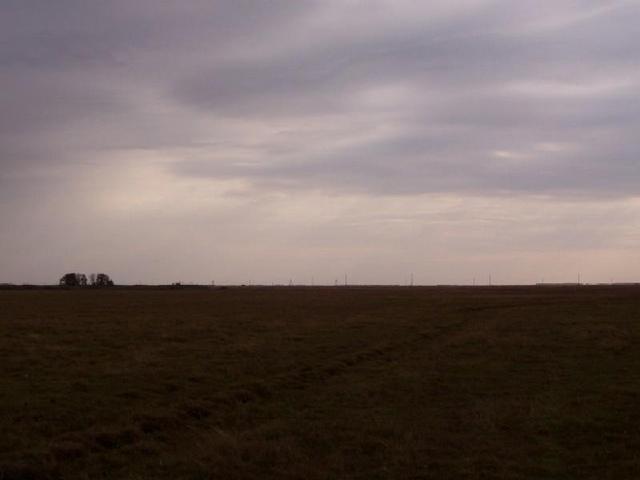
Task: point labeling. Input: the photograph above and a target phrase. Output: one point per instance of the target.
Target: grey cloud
(73, 33)
(462, 73)
(473, 52)
(75, 74)
(433, 169)
(509, 100)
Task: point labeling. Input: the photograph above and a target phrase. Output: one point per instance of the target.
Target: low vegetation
(320, 383)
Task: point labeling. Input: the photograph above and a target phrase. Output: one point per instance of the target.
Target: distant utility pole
(336, 282)
(345, 279)
(290, 282)
(412, 279)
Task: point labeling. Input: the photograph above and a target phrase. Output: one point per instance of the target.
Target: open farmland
(320, 383)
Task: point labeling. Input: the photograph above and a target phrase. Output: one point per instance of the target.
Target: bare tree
(73, 280)
(103, 280)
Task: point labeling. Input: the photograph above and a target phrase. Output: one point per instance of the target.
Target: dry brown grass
(320, 383)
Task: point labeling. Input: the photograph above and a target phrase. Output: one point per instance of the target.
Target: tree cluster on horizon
(80, 280)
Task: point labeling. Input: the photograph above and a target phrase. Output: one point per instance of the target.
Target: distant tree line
(80, 280)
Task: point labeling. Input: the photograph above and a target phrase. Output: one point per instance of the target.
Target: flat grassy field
(320, 383)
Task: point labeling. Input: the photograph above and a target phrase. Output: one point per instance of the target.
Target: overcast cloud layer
(253, 141)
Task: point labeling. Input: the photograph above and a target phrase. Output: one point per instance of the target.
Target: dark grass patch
(24, 471)
(65, 450)
(151, 424)
(197, 411)
(112, 439)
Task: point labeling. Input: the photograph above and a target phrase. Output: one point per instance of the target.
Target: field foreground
(320, 383)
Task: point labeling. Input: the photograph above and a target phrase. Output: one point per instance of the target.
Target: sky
(254, 141)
